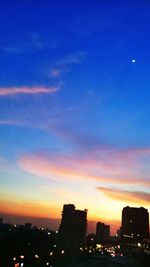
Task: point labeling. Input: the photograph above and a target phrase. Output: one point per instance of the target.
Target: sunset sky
(74, 108)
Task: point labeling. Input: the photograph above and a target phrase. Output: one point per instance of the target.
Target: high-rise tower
(73, 226)
(135, 224)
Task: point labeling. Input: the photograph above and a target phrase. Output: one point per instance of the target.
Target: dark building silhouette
(1, 220)
(72, 229)
(28, 226)
(90, 241)
(135, 224)
(102, 232)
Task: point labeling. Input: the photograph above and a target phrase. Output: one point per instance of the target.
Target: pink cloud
(85, 166)
(126, 161)
(132, 154)
(64, 168)
(7, 91)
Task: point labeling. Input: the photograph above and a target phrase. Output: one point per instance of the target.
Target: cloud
(11, 122)
(20, 49)
(63, 167)
(31, 42)
(71, 129)
(7, 91)
(126, 196)
(13, 49)
(65, 64)
(98, 166)
(55, 167)
(55, 73)
(76, 58)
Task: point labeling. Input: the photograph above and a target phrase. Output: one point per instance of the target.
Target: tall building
(102, 232)
(72, 230)
(135, 224)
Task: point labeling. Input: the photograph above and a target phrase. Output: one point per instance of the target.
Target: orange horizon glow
(34, 210)
(40, 220)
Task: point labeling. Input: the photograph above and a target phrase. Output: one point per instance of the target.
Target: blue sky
(74, 106)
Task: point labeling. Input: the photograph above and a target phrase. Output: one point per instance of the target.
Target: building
(135, 224)
(1, 220)
(72, 230)
(102, 232)
(28, 226)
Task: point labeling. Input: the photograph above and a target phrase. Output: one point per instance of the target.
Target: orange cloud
(126, 196)
(6, 91)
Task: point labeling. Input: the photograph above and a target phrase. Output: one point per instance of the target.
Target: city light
(74, 133)
(36, 256)
(22, 257)
(99, 246)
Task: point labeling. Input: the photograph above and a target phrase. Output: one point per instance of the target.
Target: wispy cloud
(99, 166)
(32, 42)
(126, 196)
(9, 122)
(55, 72)
(66, 63)
(76, 58)
(7, 91)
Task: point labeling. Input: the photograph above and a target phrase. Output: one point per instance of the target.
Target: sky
(74, 108)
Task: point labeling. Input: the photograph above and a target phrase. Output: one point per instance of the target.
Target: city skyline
(74, 108)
